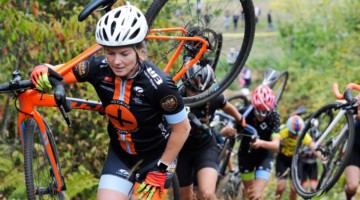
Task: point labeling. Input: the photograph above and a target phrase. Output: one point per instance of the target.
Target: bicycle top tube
(62, 70)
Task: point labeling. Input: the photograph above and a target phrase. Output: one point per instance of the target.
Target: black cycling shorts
(282, 166)
(355, 156)
(309, 172)
(190, 162)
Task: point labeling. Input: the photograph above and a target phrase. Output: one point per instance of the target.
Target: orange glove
(154, 181)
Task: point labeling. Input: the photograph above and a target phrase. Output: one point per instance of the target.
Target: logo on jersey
(154, 76)
(82, 68)
(169, 103)
(263, 126)
(121, 117)
(138, 91)
(108, 79)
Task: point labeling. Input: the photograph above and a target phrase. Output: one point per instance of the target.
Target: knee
(207, 194)
(351, 188)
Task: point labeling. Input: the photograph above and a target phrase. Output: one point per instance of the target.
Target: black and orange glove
(40, 77)
(153, 183)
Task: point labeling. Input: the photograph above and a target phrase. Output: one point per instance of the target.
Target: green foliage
(321, 41)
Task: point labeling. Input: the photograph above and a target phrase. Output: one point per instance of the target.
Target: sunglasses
(261, 113)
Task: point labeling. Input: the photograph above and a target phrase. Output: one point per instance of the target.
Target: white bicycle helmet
(125, 25)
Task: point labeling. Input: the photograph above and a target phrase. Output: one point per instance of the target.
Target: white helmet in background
(125, 25)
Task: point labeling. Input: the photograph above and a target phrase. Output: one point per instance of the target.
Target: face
(191, 92)
(122, 61)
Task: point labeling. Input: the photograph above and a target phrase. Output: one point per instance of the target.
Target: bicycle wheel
(39, 175)
(178, 13)
(334, 140)
(280, 85)
(174, 191)
(239, 101)
(225, 154)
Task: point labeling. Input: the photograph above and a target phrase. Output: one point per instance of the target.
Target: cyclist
(352, 170)
(147, 120)
(256, 158)
(198, 157)
(288, 138)
(308, 159)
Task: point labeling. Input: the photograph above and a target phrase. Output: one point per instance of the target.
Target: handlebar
(198, 123)
(105, 4)
(348, 92)
(248, 128)
(16, 85)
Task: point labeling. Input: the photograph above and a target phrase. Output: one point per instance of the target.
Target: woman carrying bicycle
(198, 158)
(288, 137)
(256, 158)
(147, 125)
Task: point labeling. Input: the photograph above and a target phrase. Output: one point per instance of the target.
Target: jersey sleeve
(89, 68)
(221, 101)
(170, 101)
(307, 139)
(275, 124)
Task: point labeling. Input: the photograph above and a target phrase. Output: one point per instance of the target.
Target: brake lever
(60, 99)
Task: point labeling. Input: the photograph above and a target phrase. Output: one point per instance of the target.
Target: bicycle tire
(225, 154)
(239, 101)
(175, 188)
(279, 86)
(338, 155)
(38, 170)
(160, 13)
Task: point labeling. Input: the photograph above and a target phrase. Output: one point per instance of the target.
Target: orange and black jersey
(139, 108)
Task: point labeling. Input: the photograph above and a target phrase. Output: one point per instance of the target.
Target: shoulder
(156, 76)
(91, 67)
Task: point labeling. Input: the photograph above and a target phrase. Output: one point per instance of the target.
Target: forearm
(271, 145)
(176, 141)
(231, 110)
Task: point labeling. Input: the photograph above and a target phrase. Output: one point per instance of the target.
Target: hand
(228, 131)
(40, 77)
(257, 144)
(154, 181)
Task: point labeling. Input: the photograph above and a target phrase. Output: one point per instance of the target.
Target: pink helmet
(263, 100)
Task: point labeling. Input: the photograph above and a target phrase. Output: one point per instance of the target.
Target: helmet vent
(105, 36)
(134, 22)
(134, 34)
(106, 20)
(127, 33)
(113, 27)
(117, 14)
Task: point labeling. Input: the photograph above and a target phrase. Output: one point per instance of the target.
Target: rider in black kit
(148, 124)
(199, 155)
(256, 159)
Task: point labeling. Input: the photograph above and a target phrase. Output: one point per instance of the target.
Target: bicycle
(335, 140)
